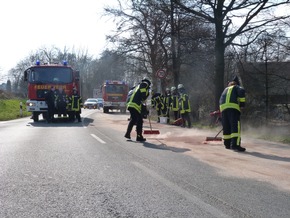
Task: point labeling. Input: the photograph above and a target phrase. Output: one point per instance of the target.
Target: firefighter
(61, 102)
(167, 103)
(50, 101)
(76, 104)
(231, 101)
(184, 106)
(158, 103)
(134, 105)
(174, 102)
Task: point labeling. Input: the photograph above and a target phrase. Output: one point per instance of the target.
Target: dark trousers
(136, 119)
(167, 114)
(50, 112)
(176, 115)
(231, 127)
(61, 106)
(78, 115)
(186, 117)
(158, 115)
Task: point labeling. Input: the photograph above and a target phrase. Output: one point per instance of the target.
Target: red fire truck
(114, 94)
(41, 77)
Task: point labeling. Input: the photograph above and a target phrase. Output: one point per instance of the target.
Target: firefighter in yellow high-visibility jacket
(134, 105)
(174, 102)
(76, 104)
(184, 106)
(157, 102)
(231, 101)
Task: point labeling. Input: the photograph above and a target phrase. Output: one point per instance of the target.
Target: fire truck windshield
(54, 75)
(117, 89)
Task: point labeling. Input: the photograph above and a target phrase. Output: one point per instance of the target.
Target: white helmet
(146, 80)
(173, 88)
(180, 86)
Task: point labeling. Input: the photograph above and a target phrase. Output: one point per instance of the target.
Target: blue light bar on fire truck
(64, 62)
(114, 82)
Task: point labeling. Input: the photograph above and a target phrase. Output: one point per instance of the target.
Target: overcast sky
(27, 25)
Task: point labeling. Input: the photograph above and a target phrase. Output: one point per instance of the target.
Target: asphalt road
(89, 169)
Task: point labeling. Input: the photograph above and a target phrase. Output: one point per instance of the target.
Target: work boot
(140, 138)
(227, 146)
(127, 135)
(227, 143)
(238, 148)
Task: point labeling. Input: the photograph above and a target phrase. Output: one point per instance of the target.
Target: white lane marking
(197, 201)
(96, 137)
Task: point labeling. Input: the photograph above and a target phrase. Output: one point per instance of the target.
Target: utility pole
(173, 45)
(266, 84)
(267, 41)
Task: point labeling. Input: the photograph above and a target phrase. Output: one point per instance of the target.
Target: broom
(214, 138)
(150, 131)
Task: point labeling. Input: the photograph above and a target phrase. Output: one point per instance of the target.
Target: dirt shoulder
(263, 160)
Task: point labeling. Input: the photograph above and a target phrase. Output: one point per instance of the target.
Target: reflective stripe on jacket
(76, 102)
(232, 97)
(167, 100)
(174, 103)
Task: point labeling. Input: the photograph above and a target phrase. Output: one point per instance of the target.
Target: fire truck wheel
(106, 110)
(123, 110)
(35, 117)
(44, 115)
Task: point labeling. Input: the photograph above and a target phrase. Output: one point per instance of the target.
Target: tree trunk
(219, 63)
(219, 75)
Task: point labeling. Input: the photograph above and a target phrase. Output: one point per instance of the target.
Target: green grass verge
(10, 109)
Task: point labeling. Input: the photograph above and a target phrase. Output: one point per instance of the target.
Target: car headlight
(30, 104)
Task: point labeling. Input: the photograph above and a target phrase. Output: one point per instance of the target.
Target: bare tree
(140, 34)
(16, 75)
(110, 66)
(223, 15)
(265, 69)
(154, 35)
(8, 86)
(277, 43)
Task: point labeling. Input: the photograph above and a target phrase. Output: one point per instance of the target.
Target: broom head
(178, 122)
(151, 132)
(213, 139)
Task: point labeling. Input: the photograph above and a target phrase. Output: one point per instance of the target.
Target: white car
(91, 103)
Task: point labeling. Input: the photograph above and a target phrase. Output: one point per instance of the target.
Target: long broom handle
(218, 133)
(149, 118)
